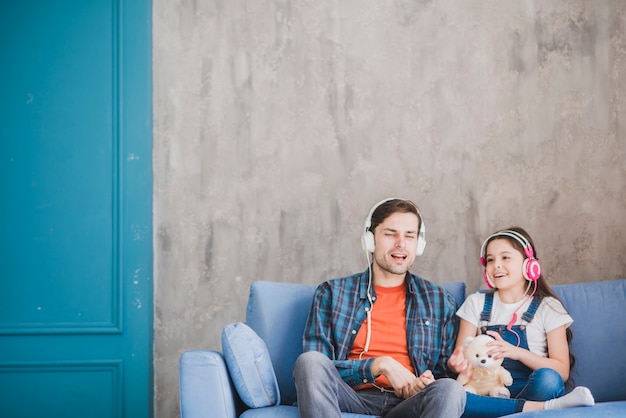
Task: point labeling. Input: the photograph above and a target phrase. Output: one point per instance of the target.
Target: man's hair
(390, 207)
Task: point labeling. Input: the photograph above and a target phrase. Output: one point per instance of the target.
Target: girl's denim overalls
(540, 385)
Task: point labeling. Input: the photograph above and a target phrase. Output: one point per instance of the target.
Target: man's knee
(452, 387)
(450, 392)
(310, 363)
(442, 398)
(311, 359)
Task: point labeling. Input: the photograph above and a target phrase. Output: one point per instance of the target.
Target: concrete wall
(279, 123)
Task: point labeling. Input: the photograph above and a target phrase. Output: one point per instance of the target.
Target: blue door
(75, 208)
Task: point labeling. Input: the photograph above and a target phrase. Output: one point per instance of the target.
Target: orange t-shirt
(388, 334)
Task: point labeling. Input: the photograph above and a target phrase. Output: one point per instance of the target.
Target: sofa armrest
(205, 386)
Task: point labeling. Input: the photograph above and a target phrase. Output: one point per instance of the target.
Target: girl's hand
(459, 364)
(501, 349)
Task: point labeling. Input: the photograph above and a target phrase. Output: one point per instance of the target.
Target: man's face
(395, 242)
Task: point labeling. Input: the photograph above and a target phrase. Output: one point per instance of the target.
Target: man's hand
(422, 381)
(399, 377)
(405, 384)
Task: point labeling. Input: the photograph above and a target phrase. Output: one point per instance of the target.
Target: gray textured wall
(279, 123)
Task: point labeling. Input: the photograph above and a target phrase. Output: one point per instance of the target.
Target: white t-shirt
(550, 315)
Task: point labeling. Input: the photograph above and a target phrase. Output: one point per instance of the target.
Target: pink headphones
(531, 269)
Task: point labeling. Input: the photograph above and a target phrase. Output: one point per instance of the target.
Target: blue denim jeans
(323, 393)
(542, 384)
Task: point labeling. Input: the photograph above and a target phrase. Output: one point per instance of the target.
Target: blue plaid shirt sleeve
(330, 325)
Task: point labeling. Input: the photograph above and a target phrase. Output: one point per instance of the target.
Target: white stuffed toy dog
(489, 378)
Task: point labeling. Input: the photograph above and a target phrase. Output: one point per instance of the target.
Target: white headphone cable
(368, 312)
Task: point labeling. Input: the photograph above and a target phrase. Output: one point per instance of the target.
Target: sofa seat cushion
(250, 366)
(615, 409)
(283, 411)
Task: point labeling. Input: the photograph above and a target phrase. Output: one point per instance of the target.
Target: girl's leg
(543, 384)
(580, 396)
(486, 407)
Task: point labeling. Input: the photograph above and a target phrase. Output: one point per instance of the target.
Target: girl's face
(504, 264)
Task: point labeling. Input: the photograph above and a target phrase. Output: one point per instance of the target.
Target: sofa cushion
(278, 313)
(457, 290)
(283, 411)
(250, 366)
(204, 383)
(599, 336)
(604, 410)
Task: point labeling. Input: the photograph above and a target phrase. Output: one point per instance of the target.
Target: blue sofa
(277, 312)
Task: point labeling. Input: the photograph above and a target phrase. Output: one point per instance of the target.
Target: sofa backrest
(278, 313)
(599, 339)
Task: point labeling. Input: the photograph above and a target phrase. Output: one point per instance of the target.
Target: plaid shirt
(338, 311)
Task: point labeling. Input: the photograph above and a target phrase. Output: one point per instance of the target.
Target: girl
(530, 328)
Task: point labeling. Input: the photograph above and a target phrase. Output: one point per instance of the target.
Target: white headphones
(367, 239)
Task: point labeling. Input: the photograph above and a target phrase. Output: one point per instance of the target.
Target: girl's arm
(466, 329)
(558, 352)
(457, 362)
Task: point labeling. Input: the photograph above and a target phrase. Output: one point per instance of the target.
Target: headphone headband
(528, 249)
(367, 239)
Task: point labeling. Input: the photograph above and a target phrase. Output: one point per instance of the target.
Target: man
(378, 342)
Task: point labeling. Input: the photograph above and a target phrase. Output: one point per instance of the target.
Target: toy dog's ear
(467, 341)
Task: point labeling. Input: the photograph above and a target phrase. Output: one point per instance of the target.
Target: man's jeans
(323, 393)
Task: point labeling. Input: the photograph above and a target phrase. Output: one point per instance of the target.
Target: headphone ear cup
(531, 269)
(367, 241)
(488, 280)
(421, 245)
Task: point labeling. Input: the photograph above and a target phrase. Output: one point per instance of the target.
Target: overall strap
(485, 315)
(532, 309)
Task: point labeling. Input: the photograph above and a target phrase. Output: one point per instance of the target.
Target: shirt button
(353, 331)
(427, 322)
(364, 380)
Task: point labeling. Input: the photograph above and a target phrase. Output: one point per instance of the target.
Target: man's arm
(323, 330)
